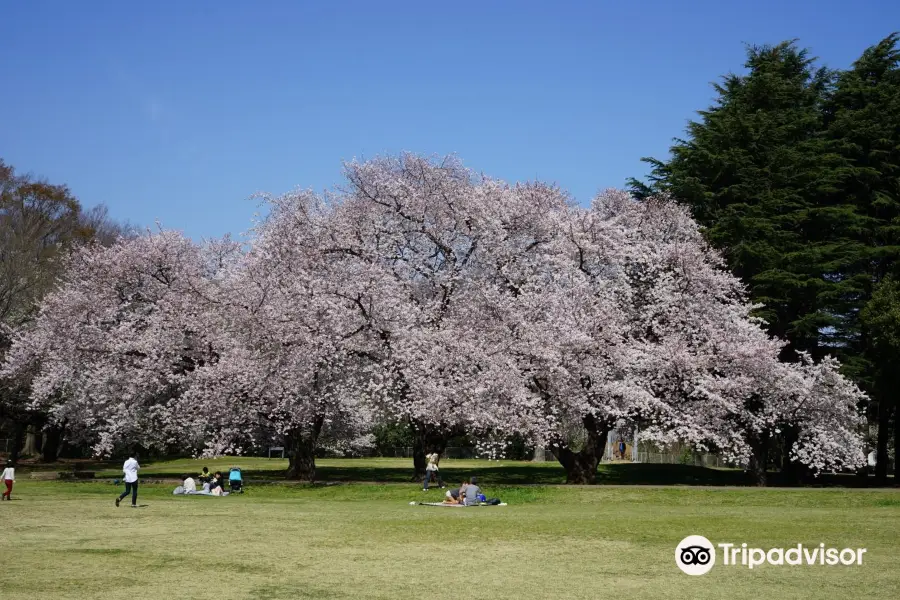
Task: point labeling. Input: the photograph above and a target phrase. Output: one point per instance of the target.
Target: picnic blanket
(455, 505)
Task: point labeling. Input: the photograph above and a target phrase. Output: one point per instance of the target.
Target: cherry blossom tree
(715, 373)
(118, 342)
(285, 371)
(425, 294)
(638, 321)
(409, 239)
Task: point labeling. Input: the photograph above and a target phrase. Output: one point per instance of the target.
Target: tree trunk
(897, 445)
(759, 459)
(792, 471)
(881, 454)
(31, 448)
(302, 451)
(581, 466)
(52, 440)
(419, 444)
(18, 438)
(427, 439)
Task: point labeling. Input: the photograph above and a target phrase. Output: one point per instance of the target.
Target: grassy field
(67, 540)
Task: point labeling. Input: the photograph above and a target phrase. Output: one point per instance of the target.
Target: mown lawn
(67, 540)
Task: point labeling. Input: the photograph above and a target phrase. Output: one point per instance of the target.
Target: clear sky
(179, 111)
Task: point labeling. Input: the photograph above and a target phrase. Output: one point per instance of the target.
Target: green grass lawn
(67, 540)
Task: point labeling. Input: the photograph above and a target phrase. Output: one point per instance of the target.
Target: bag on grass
(493, 501)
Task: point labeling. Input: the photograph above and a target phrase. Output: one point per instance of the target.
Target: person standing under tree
(8, 477)
(130, 469)
(432, 469)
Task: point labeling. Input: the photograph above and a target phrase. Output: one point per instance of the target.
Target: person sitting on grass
(455, 496)
(204, 476)
(190, 486)
(471, 492)
(217, 482)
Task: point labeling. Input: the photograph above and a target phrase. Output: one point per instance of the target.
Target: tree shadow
(517, 474)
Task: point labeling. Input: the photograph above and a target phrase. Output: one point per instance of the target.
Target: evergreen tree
(863, 120)
(795, 173)
(751, 169)
(882, 319)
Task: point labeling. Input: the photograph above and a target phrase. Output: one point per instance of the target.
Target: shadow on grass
(506, 474)
(510, 474)
(607, 474)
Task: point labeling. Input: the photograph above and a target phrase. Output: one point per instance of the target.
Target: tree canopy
(793, 174)
(422, 293)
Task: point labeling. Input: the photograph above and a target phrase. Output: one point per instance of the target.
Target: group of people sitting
(468, 494)
(212, 484)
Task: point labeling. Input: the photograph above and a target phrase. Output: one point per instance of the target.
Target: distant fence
(666, 458)
(697, 460)
(451, 452)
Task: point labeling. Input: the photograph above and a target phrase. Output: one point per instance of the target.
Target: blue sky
(179, 113)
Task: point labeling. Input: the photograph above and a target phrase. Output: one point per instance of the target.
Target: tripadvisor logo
(696, 555)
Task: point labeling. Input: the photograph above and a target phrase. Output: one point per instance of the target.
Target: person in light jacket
(432, 470)
(130, 469)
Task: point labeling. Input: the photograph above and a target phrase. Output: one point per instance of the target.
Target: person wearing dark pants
(130, 488)
(432, 471)
(130, 469)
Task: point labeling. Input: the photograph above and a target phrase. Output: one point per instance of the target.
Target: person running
(432, 470)
(130, 469)
(8, 477)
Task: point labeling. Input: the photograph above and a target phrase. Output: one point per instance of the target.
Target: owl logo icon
(695, 555)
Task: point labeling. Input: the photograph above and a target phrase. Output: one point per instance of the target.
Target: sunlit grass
(67, 540)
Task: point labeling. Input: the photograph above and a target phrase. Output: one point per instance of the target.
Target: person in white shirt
(8, 477)
(130, 469)
(190, 486)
